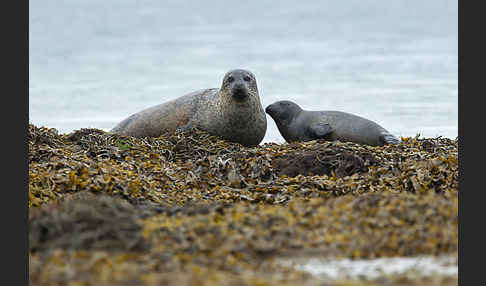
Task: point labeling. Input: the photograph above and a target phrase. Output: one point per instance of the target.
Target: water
(335, 269)
(93, 63)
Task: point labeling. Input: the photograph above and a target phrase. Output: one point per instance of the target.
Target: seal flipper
(185, 128)
(387, 138)
(320, 130)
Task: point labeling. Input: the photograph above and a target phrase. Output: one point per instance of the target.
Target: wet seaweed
(98, 222)
(212, 210)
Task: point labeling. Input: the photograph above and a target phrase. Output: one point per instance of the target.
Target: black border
(15, 86)
(461, 187)
(471, 244)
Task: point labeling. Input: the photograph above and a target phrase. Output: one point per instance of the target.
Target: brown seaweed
(191, 208)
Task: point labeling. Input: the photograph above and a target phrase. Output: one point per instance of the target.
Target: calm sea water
(93, 63)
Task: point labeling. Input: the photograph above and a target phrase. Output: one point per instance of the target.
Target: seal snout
(240, 92)
(269, 110)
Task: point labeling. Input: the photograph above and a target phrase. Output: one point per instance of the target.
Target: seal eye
(231, 79)
(247, 78)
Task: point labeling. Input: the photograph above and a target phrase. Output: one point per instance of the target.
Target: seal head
(241, 117)
(241, 84)
(283, 112)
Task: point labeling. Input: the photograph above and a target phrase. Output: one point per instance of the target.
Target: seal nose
(269, 109)
(240, 92)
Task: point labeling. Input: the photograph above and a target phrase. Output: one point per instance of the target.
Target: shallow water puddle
(330, 268)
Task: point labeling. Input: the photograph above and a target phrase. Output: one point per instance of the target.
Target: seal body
(233, 112)
(296, 124)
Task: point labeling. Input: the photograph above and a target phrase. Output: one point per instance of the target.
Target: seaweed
(98, 222)
(189, 207)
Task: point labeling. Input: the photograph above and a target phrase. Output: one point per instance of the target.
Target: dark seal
(232, 112)
(296, 124)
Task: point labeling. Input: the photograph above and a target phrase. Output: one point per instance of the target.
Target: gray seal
(296, 124)
(232, 112)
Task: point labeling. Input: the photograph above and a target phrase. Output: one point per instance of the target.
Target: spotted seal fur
(232, 112)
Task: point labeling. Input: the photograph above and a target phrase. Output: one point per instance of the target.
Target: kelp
(198, 209)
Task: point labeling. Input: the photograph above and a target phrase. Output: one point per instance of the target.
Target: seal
(232, 112)
(296, 124)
